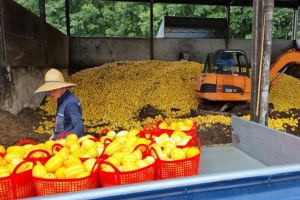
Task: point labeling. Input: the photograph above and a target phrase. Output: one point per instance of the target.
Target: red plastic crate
(178, 168)
(46, 186)
(117, 177)
(17, 186)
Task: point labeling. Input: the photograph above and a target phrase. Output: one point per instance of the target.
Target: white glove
(51, 137)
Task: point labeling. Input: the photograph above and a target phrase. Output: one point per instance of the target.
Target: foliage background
(127, 19)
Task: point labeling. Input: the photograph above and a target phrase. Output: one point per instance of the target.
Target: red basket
(117, 177)
(17, 185)
(45, 186)
(177, 168)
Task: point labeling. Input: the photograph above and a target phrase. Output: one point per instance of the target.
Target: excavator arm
(291, 56)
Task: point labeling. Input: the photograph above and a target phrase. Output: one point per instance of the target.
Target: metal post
(67, 13)
(67, 16)
(151, 30)
(2, 41)
(295, 23)
(44, 25)
(264, 89)
(256, 55)
(228, 24)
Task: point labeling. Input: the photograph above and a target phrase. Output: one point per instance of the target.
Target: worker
(68, 117)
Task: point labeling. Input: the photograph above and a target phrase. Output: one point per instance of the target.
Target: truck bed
(226, 158)
(260, 163)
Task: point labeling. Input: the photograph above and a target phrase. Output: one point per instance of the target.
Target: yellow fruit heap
(114, 93)
(285, 93)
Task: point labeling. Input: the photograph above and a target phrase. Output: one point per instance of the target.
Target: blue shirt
(68, 116)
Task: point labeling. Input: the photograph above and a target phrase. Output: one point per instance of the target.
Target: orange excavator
(226, 75)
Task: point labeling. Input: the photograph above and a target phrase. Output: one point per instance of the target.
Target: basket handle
(108, 163)
(102, 153)
(195, 139)
(146, 127)
(94, 139)
(107, 141)
(194, 125)
(152, 142)
(152, 149)
(96, 163)
(26, 142)
(192, 141)
(61, 135)
(160, 121)
(144, 134)
(14, 172)
(142, 145)
(38, 150)
(56, 146)
(105, 130)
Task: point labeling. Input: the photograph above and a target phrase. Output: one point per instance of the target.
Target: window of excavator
(231, 61)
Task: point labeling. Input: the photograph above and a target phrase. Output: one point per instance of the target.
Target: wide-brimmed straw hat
(54, 79)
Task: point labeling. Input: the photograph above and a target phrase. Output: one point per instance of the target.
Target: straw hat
(54, 79)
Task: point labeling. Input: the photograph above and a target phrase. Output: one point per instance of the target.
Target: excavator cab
(226, 77)
(226, 62)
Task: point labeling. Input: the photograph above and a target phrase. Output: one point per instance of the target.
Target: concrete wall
(91, 52)
(94, 51)
(29, 48)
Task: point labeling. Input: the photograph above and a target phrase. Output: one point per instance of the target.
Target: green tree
(84, 22)
(31, 5)
(210, 11)
(282, 23)
(132, 19)
(56, 15)
(241, 22)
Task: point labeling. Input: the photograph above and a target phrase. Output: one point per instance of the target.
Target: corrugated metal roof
(277, 3)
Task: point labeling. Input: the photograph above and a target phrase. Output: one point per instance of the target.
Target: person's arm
(76, 118)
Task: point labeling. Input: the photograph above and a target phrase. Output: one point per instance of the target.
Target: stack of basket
(121, 158)
(162, 167)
